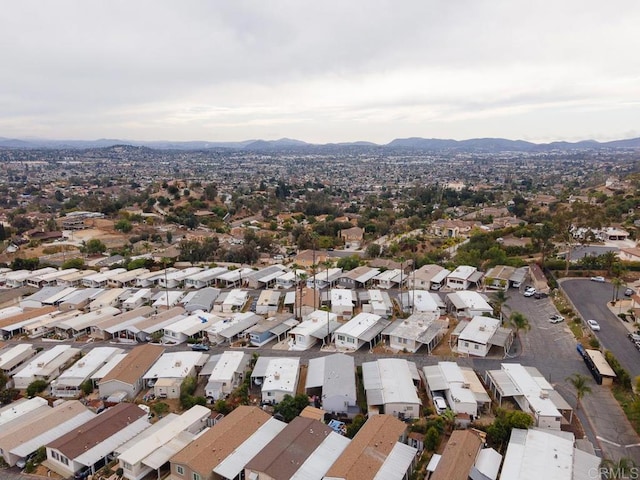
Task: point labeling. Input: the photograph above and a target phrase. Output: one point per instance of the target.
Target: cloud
(319, 71)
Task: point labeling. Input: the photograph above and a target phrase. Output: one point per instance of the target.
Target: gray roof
(44, 293)
(374, 330)
(323, 331)
(203, 299)
(239, 327)
(334, 373)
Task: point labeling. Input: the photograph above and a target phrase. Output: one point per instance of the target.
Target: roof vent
(544, 394)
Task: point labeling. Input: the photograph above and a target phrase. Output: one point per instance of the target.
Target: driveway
(590, 300)
(551, 348)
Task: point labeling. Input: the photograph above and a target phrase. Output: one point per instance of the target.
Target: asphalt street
(590, 300)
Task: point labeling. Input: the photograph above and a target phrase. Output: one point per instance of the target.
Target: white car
(556, 318)
(593, 325)
(440, 404)
(598, 279)
(529, 292)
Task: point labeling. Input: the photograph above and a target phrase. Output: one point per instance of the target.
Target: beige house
(126, 378)
(226, 438)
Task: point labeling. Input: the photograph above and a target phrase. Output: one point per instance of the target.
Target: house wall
(347, 342)
(274, 396)
(409, 410)
(457, 284)
(472, 348)
(303, 342)
(112, 386)
(398, 343)
(167, 391)
(337, 403)
(62, 463)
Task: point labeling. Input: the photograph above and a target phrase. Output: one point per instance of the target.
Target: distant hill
(487, 145)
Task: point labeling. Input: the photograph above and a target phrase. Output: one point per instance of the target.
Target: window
(179, 469)
(476, 346)
(127, 466)
(196, 476)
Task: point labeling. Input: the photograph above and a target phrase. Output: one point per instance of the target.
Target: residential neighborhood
(212, 329)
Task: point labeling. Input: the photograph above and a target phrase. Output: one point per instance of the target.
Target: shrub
(432, 439)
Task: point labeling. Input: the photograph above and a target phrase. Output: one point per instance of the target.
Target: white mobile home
(151, 278)
(332, 379)
(342, 302)
(175, 279)
(319, 325)
(468, 304)
(205, 278)
(362, 329)
(69, 383)
(109, 298)
(169, 371)
(12, 358)
(46, 366)
(460, 386)
(126, 279)
(463, 277)
(390, 386)
(227, 374)
(101, 279)
(49, 279)
(420, 329)
(204, 299)
(138, 299)
(192, 326)
(268, 302)
(480, 334)
(278, 377)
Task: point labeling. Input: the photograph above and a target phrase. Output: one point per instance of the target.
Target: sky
(321, 71)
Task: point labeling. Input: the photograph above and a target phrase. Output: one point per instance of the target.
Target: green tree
(160, 408)
(499, 301)
(74, 263)
(580, 384)
(349, 263)
(617, 282)
(373, 250)
(432, 439)
(86, 387)
(222, 406)
(519, 322)
(36, 387)
(290, 407)
(354, 427)
(95, 246)
(499, 431)
(123, 225)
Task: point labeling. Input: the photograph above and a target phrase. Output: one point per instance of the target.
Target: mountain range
(487, 145)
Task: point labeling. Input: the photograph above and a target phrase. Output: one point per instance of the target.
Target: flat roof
(282, 375)
(87, 365)
(175, 364)
(600, 363)
(359, 324)
(390, 378)
(480, 330)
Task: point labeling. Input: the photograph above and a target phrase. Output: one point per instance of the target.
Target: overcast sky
(321, 71)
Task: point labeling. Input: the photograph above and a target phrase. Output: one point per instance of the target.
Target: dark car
(200, 347)
(82, 474)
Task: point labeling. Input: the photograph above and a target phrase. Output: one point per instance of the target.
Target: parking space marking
(602, 439)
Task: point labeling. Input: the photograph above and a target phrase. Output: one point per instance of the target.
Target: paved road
(590, 299)
(551, 348)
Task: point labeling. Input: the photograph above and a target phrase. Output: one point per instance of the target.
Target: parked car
(82, 474)
(200, 347)
(628, 292)
(556, 318)
(529, 292)
(539, 295)
(593, 325)
(598, 279)
(440, 404)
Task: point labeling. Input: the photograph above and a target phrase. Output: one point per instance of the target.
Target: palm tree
(608, 259)
(519, 322)
(617, 282)
(499, 300)
(581, 385)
